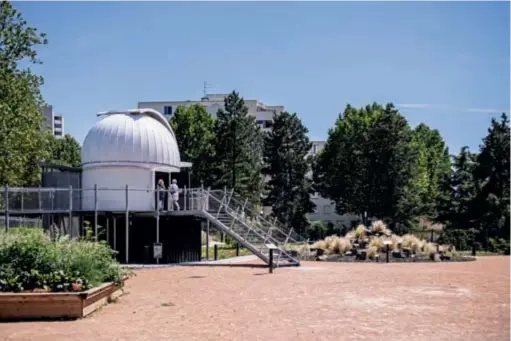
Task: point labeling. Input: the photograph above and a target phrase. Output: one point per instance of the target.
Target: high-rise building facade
(212, 102)
(53, 122)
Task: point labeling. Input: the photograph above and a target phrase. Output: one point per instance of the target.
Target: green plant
(498, 245)
(31, 260)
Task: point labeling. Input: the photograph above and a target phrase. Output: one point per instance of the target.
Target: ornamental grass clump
(429, 249)
(360, 232)
(380, 227)
(412, 242)
(372, 252)
(376, 242)
(343, 245)
(31, 261)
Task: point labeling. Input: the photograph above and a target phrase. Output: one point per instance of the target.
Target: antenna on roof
(205, 89)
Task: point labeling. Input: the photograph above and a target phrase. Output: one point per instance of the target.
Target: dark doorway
(165, 177)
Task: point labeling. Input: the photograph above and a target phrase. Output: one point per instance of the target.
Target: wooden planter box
(58, 305)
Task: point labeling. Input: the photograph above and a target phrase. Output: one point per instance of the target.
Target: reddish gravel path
(318, 301)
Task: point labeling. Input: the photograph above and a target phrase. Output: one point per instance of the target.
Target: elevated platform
(137, 211)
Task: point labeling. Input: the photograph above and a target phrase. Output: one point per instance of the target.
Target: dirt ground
(317, 301)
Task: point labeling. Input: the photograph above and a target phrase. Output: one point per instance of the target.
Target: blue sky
(443, 63)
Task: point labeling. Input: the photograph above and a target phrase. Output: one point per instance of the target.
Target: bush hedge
(31, 261)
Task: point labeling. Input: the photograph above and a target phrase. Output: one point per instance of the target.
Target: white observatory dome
(139, 136)
(127, 149)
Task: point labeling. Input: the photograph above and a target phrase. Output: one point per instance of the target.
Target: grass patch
(224, 252)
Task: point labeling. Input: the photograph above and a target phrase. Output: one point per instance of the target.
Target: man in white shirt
(174, 192)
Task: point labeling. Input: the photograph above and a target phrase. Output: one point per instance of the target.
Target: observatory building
(134, 149)
(114, 195)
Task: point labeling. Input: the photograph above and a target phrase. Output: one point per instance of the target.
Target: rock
(348, 253)
(397, 254)
(320, 252)
(437, 257)
(444, 258)
(362, 255)
(321, 258)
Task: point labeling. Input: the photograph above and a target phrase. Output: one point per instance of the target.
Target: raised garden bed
(58, 305)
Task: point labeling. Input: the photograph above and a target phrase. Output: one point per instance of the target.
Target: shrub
(30, 260)
(498, 245)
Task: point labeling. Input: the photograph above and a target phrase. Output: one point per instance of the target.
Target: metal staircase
(243, 224)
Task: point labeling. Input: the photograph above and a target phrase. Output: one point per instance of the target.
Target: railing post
(220, 207)
(70, 211)
(6, 198)
(39, 201)
(215, 247)
(184, 197)
(158, 231)
(126, 215)
(22, 191)
(96, 212)
(205, 206)
(229, 197)
(271, 260)
(207, 240)
(285, 243)
(234, 219)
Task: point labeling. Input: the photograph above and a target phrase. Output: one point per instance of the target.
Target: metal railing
(285, 239)
(40, 200)
(33, 200)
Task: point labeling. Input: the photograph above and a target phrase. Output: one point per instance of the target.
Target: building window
(327, 209)
(58, 125)
(167, 110)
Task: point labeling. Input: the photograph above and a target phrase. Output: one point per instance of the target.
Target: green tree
(433, 164)
(464, 189)
(391, 159)
(491, 203)
(65, 151)
(367, 164)
(238, 149)
(286, 165)
(340, 170)
(22, 144)
(194, 129)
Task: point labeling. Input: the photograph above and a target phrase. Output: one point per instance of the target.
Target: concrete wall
(111, 183)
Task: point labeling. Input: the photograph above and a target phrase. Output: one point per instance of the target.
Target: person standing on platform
(174, 192)
(160, 187)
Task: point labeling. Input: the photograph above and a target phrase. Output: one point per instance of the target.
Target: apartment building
(213, 102)
(325, 209)
(53, 122)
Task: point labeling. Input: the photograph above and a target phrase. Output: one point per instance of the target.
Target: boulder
(397, 254)
(321, 258)
(361, 255)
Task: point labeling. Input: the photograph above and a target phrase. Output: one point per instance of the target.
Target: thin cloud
(451, 108)
(415, 106)
(486, 111)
